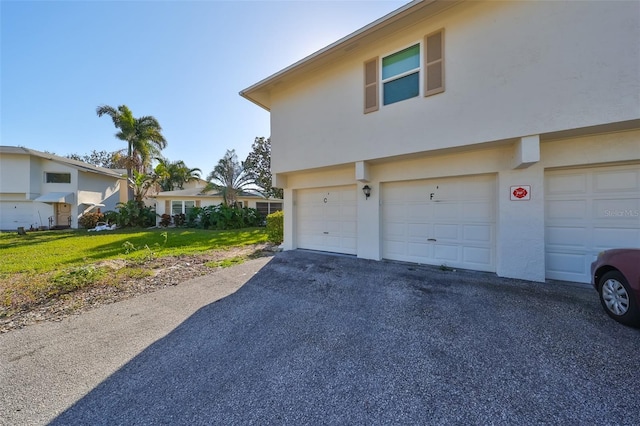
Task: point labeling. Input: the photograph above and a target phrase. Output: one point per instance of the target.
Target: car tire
(617, 299)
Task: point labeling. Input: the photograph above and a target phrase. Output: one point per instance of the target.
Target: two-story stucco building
(38, 189)
(494, 136)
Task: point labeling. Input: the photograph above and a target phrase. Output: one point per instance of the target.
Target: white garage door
(587, 211)
(16, 213)
(326, 219)
(441, 222)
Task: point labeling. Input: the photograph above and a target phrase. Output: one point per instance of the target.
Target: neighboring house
(43, 190)
(494, 136)
(182, 200)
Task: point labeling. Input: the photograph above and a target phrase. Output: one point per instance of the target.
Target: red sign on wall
(520, 192)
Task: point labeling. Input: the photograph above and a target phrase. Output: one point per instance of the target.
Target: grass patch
(74, 278)
(48, 251)
(226, 263)
(44, 265)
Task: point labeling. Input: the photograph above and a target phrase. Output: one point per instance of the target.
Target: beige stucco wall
(512, 69)
(520, 243)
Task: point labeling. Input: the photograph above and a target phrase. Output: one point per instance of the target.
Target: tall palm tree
(143, 136)
(174, 174)
(230, 178)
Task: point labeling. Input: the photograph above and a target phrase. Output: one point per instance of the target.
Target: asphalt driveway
(320, 339)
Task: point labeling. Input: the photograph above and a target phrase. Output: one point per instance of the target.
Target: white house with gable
(494, 136)
(38, 189)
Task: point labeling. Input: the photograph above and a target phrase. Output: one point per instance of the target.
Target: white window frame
(183, 206)
(419, 68)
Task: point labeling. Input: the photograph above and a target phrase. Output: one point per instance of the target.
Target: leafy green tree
(230, 178)
(140, 184)
(258, 167)
(172, 175)
(108, 160)
(143, 136)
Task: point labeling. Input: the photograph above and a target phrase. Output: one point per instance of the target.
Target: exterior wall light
(367, 191)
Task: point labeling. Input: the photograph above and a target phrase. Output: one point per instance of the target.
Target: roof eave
(349, 42)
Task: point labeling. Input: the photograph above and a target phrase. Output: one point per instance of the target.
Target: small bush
(275, 227)
(134, 214)
(165, 220)
(179, 219)
(73, 279)
(90, 220)
(110, 216)
(222, 217)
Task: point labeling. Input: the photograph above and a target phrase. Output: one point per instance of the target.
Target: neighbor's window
(57, 177)
(401, 75)
(180, 207)
(267, 208)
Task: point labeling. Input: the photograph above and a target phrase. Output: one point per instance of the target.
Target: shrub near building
(275, 227)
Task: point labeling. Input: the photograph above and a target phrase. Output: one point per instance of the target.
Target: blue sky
(183, 62)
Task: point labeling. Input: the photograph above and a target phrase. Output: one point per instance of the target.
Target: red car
(616, 277)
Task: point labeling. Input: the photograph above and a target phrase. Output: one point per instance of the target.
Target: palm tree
(230, 178)
(143, 136)
(174, 174)
(140, 184)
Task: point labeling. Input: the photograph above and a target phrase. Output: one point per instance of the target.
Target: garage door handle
(326, 233)
(431, 239)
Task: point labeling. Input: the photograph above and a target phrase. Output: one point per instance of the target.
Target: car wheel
(617, 299)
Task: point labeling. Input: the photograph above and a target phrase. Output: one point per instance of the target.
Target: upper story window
(401, 75)
(406, 73)
(51, 177)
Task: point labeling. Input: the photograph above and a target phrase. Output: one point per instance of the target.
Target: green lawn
(46, 265)
(54, 250)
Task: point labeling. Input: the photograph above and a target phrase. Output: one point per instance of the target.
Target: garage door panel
(589, 210)
(445, 210)
(454, 227)
(333, 211)
(611, 237)
(418, 249)
(445, 231)
(349, 228)
(414, 211)
(394, 230)
(396, 249)
(620, 181)
(447, 254)
(567, 209)
(349, 211)
(417, 230)
(394, 210)
(479, 256)
(477, 233)
(617, 209)
(566, 236)
(326, 219)
(333, 227)
(570, 183)
(566, 263)
(478, 211)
